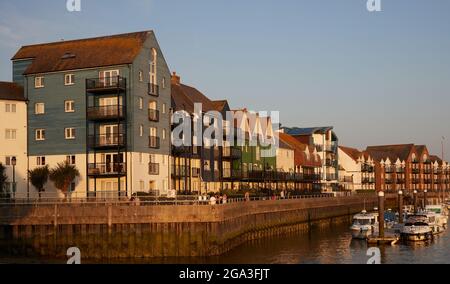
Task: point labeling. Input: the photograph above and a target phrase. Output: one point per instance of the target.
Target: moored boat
(416, 229)
(364, 225)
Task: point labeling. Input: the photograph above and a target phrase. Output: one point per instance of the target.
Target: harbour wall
(130, 231)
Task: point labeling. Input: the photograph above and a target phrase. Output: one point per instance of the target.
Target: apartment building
(13, 138)
(102, 104)
(357, 170)
(199, 167)
(407, 167)
(326, 143)
(307, 165)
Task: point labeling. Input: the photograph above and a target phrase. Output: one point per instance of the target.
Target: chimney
(175, 79)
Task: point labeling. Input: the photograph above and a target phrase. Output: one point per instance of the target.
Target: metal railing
(104, 169)
(105, 112)
(107, 140)
(106, 83)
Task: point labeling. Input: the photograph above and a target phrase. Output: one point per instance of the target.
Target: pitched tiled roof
(11, 91)
(435, 158)
(83, 53)
(184, 97)
(300, 149)
(393, 152)
(220, 105)
(355, 154)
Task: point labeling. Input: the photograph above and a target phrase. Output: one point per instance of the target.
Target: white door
(109, 135)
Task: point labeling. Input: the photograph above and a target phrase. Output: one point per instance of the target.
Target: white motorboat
(416, 229)
(364, 225)
(441, 213)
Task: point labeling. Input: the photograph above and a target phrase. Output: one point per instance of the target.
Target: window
(40, 134)
(39, 82)
(141, 185)
(10, 107)
(39, 108)
(141, 130)
(163, 82)
(69, 79)
(40, 161)
(9, 160)
(70, 133)
(141, 76)
(71, 159)
(163, 108)
(69, 106)
(141, 103)
(153, 63)
(164, 134)
(10, 134)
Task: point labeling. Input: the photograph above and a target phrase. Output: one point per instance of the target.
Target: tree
(39, 177)
(63, 175)
(3, 179)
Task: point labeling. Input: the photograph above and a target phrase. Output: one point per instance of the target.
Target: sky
(378, 78)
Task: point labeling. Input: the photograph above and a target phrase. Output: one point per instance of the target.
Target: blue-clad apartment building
(102, 104)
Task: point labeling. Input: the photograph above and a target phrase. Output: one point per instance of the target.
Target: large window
(153, 64)
(40, 161)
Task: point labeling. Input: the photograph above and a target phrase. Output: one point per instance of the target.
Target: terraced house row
(108, 106)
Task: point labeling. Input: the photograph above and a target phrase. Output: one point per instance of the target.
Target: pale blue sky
(379, 78)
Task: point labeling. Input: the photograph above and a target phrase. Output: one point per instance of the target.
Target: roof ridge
(84, 39)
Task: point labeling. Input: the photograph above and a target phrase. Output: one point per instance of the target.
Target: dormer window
(39, 82)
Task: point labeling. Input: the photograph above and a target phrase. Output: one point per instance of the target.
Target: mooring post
(381, 213)
(400, 207)
(425, 201)
(415, 201)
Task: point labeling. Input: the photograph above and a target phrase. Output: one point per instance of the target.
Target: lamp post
(400, 207)
(425, 198)
(14, 163)
(381, 213)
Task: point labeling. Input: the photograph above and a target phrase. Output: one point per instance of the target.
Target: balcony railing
(367, 168)
(399, 170)
(154, 142)
(228, 173)
(427, 181)
(388, 181)
(106, 83)
(179, 171)
(415, 181)
(330, 177)
(346, 179)
(153, 169)
(415, 171)
(107, 140)
(153, 115)
(400, 180)
(388, 170)
(107, 169)
(105, 112)
(153, 90)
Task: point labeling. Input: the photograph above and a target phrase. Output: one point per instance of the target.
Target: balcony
(415, 181)
(107, 141)
(367, 168)
(107, 169)
(330, 177)
(400, 180)
(389, 170)
(330, 163)
(388, 181)
(415, 171)
(153, 169)
(427, 181)
(153, 90)
(106, 85)
(331, 148)
(400, 170)
(427, 171)
(437, 171)
(101, 113)
(153, 115)
(179, 171)
(231, 153)
(154, 142)
(346, 179)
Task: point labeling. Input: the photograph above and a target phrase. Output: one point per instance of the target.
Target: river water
(332, 245)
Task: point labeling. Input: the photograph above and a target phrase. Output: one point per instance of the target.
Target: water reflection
(321, 246)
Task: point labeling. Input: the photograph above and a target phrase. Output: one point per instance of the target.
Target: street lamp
(14, 163)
